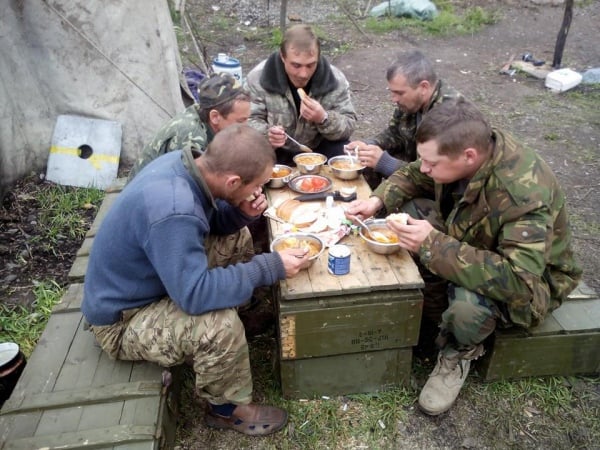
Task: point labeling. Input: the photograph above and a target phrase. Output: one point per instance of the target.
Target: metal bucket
(12, 364)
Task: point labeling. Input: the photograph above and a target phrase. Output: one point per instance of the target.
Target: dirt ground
(564, 128)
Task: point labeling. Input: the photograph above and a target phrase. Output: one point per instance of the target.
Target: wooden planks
(566, 343)
(368, 271)
(366, 321)
(72, 395)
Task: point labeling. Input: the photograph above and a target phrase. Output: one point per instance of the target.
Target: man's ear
(471, 155)
(214, 117)
(233, 181)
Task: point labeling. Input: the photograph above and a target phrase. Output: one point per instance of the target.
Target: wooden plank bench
(72, 395)
(566, 343)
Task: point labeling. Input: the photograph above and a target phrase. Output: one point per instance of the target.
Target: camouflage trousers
(214, 343)
(464, 318)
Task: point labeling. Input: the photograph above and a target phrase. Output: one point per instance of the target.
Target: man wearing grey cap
(221, 102)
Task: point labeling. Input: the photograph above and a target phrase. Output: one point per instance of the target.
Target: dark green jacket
(185, 130)
(398, 139)
(508, 237)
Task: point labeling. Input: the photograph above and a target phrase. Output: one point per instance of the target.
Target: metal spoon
(303, 147)
(377, 235)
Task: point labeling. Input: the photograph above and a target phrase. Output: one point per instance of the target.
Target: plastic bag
(419, 9)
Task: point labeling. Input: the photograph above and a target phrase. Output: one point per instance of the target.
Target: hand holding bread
(399, 218)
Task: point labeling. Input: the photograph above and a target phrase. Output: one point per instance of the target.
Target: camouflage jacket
(398, 139)
(273, 104)
(508, 236)
(185, 130)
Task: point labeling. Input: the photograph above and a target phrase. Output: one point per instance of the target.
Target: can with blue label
(338, 262)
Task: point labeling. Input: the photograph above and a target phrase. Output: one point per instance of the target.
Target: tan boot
(446, 380)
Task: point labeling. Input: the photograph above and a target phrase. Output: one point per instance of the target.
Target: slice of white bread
(297, 213)
(401, 218)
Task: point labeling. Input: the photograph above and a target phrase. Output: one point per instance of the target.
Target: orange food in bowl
(282, 172)
(309, 160)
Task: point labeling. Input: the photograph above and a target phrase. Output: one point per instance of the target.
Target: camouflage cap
(217, 89)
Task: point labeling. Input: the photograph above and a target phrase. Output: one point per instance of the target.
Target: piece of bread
(302, 93)
(297, 213)
(401, 218)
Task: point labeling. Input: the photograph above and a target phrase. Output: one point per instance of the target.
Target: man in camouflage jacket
(501, 239)
(322, 120)
(415, 89)
(221, 102)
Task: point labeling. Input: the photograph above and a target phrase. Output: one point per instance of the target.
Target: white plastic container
(225, 63)
(562, 80)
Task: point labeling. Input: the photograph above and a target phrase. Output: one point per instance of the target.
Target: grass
(23, 325)
(62, 216)
(447, 22)
(62, 210)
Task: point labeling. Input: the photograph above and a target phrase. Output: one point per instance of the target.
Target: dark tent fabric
(112, 60)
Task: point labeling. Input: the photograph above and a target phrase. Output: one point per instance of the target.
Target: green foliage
(24, 326)
(276, 38)
(62, 213)
(444, 24)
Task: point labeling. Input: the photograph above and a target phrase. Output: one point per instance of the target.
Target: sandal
(252, 420)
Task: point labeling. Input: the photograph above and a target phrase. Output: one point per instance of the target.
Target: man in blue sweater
(153, 289)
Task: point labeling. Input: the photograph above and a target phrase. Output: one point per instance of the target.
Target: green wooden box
(353, 373)
(567, 343)
(71, 395)
(337, 325)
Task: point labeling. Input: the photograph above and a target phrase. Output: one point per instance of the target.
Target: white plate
(8, 351)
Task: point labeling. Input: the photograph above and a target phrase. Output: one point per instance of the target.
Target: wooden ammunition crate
(350, 324)
(71, 395)
(369, 371)
(566, 343)
(347, 344)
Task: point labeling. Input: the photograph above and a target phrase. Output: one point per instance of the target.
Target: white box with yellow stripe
(85, 152)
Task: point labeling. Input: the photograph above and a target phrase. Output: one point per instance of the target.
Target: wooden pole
(282, 16)
(562, 35)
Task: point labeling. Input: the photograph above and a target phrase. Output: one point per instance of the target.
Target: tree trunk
(282, 16)
(562, 35)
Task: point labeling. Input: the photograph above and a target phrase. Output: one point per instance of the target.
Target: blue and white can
(338, 262)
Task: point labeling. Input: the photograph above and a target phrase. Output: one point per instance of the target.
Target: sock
(225, 410)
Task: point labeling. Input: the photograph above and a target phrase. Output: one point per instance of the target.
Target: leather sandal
(252, 420)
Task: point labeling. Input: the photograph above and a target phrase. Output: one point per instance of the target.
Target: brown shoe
(252, 419)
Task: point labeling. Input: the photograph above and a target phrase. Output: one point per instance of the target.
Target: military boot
(447, 379)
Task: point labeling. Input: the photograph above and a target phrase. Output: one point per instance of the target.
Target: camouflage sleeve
(403, 185)
(511, 273)
(342, 116)
(258, 108)
(183, 131)
(393, 139)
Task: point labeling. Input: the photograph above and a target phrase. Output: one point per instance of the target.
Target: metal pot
(345, 168)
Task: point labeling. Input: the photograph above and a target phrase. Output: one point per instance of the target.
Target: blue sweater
(151, 244)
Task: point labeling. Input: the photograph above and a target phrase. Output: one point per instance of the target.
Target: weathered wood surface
(70, 388)
(368, 271)
(566, 343)
(72, 395)
(353, 373)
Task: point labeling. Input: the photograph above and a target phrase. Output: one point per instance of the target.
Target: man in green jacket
(415, 89)
(497, 231)
(221, 102)
(320, 115)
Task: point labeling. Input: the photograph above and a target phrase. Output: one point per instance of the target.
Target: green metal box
(351, 373)
(566, 343)
(347, 344)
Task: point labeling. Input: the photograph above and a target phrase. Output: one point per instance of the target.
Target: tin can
(338, 262)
